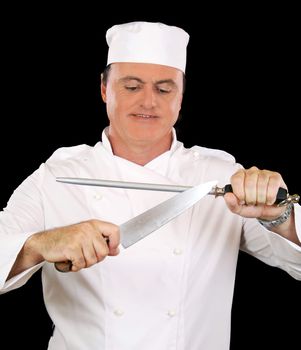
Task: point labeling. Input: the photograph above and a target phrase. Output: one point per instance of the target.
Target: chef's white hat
(147, 42)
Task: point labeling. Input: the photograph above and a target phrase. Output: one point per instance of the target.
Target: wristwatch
(281, 219)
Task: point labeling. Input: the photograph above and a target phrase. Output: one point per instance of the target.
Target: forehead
(146, 72)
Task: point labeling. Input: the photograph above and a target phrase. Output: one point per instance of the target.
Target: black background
(242, 96)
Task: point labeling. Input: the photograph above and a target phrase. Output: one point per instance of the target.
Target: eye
(164, 89)
(132, 88)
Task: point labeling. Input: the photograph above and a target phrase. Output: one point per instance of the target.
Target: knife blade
(149, 221)
(152, 219)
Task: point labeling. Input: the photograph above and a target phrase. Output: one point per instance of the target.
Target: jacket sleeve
(272, 248)
(22, 217)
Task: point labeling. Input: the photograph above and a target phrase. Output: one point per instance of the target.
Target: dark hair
(105, 76)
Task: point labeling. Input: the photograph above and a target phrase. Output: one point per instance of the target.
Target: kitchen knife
(152, 219)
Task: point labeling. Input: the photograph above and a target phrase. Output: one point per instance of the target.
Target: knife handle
(281, 194)
(63, 266)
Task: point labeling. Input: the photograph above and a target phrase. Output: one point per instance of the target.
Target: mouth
(144, 116)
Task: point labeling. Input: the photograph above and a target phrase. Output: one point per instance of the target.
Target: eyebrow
(130, 77)
(158, 82)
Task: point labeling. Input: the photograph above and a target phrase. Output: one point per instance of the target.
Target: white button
(97, 196)
(177, 251)
(196, 154)
(171, 313)
(118, 312)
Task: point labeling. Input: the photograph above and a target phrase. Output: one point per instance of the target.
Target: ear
(103, 91)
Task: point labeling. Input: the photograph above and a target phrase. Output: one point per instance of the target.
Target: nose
(148, 99)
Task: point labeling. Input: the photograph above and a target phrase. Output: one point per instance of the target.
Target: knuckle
(92, 222)
(264, 176)
(253, 169)
(276, 176)
(240, 173)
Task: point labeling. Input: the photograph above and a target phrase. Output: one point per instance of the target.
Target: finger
(111, 232)
(78, 262)
(232, 202)
(275, 181)
(73, 256)
(114, 251)
(251, 179)
(237, 182)
(101, 248)
(262, 186)
(93, 256)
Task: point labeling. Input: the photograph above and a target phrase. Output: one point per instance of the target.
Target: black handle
(281, 195)
(63, 266)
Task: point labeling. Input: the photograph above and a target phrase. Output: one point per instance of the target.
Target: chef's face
(143, 101)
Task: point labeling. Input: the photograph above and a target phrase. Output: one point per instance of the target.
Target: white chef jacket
(171, 290)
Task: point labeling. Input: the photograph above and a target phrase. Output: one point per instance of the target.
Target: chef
(173, 289)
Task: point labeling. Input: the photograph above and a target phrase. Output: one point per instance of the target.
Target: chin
(145, 133)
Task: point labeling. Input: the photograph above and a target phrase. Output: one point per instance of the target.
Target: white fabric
(171, 290)
(147, 42)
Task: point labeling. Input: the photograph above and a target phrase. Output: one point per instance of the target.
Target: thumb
(232, 202)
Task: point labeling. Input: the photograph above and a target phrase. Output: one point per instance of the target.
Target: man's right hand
(83, 244)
